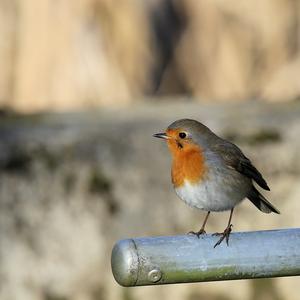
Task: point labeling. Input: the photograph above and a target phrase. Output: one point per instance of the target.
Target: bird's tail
(261, 202)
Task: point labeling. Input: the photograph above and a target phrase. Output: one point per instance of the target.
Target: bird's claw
(197, 233)
(224, 235)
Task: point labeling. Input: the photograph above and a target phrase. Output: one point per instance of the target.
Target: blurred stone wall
(60, 55)
(71, 185)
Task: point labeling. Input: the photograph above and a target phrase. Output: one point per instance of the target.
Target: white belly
(216, 193)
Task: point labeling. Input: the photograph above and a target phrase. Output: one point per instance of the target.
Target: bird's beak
(162, 135)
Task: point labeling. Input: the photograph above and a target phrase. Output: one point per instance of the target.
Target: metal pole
(186, 258)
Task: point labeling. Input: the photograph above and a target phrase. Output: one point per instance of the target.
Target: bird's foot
(224, 235)
(198, 233)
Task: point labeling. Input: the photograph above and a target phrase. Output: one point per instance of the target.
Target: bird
(211, 173)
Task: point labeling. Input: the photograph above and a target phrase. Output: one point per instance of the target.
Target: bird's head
(185, 135)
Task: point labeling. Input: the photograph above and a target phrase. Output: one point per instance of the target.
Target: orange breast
(188, 164)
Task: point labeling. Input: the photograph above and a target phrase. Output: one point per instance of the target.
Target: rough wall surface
(62, 55)
(73, 184)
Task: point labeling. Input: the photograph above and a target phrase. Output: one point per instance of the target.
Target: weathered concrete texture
(62, 55)
(72, 184)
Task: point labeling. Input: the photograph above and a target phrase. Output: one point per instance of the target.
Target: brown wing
(235, 158)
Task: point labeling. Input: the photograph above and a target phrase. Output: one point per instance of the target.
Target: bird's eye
(182, 135)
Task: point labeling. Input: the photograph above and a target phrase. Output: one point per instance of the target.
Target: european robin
(211, 173)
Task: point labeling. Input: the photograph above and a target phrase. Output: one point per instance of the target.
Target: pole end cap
(124, 262)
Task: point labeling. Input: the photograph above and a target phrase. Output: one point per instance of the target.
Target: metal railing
(186, 258)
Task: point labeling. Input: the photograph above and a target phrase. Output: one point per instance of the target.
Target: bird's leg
(201, 231)
(226, 232)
